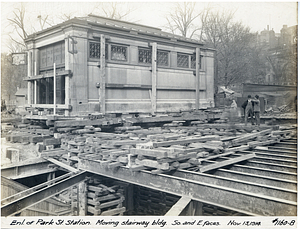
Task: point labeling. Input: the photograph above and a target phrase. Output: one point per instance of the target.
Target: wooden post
(35, 85)
(154, 77)
(54, 89)
(67, 92)
(35, 91)
(190, 209)
(198, 208)
(129, 197)
(82, 198)
(29, 92)
(74, 200)
(102, 74)
(67, 77)
(29, 84)
(197, 77)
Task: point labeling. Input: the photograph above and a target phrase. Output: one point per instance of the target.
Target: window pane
(95, 50)
(182, 61)
(145, 56)
(50, 54)
(162, 58)
(118, 53)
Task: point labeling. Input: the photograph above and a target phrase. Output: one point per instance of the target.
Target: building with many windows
(111, 66)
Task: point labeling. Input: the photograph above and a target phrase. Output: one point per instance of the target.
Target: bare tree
(11, 76)
(283, 63)
(235, 46)
(22, 27)
(18, 23)
(43, 21)
(181, 19)
(114, 10)
(66, 16)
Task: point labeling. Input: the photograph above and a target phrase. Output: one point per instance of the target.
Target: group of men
(252, 107)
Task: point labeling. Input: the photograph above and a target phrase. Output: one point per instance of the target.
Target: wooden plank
(116, 154)
(207, 145)
(95, 189)
(108, 197)
(216, 156)
(93, 210)
(187, 141)
(47, 75)
(113, 165)
(124, 142)
(113, 211)
(179, 158)
(125, 128)
(111, 203)
(52, 153)
(111, 190)
(38, 138)
(63, 165)
(152, 164)
(197, 78)
(82, 198)
(234, 149)
(134, 168)
(149, 152)
(225, 163)
(177, 208)
(250, 136)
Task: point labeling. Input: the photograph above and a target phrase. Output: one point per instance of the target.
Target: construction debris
(165, 149)
(158, 149)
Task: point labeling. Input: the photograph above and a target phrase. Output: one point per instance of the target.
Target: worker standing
(249, 110)
(256, 110)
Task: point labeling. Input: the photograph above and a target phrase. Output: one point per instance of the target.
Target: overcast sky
(256, 15)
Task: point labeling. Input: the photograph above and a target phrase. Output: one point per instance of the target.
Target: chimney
(268, 27)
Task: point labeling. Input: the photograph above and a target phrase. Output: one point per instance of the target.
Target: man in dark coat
(248, 108)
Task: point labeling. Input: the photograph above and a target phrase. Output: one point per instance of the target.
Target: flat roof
(121, 25)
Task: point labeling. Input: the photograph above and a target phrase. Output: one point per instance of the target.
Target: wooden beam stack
(167, 148)
(105, 201)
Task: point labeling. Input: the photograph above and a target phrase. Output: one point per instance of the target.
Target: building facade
(111, 66)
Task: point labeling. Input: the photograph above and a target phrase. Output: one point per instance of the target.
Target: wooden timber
(217, 165)
(186, 141)
(179, 206)
(63, 165)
